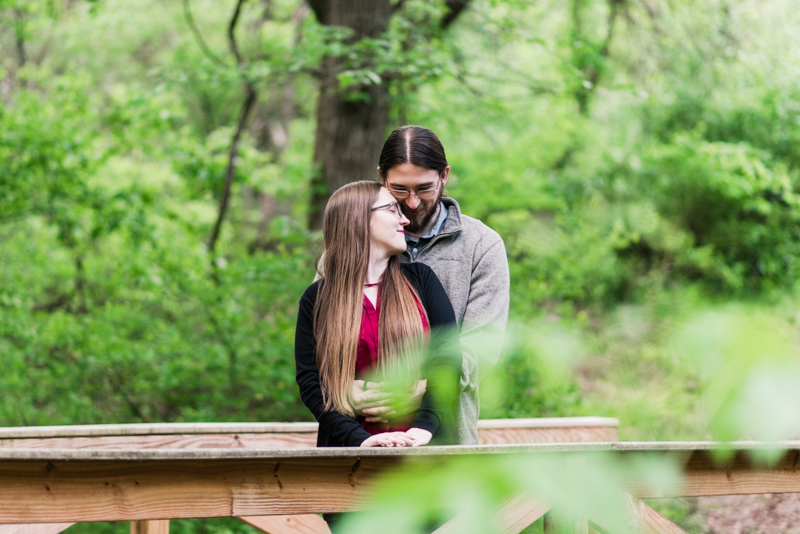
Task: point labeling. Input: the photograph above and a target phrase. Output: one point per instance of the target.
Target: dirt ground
(746, 514)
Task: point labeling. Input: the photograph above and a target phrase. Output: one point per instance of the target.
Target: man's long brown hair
(340, 299)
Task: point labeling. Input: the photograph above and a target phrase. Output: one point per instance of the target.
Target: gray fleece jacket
(470, 260)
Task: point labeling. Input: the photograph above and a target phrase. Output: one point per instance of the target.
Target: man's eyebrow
(429, 184)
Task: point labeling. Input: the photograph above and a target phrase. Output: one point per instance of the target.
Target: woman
(370, 317)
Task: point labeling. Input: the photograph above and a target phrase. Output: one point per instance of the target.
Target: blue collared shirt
(414, 245)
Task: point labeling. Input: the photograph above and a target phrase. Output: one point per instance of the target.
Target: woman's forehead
(384, 197)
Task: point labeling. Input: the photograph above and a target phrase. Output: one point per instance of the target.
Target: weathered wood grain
(49, 492)
(282, 435)
(547, 435)
(651, 521)
(739, 475)
(174, 441)
(552, 525)
(288, 524)
(150, 527)
(153, 429)
(40, 528)
(150, 429)
(294, 440)
(59, 486)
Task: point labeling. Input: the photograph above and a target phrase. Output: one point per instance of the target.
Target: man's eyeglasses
(394, 207)
(423, 193)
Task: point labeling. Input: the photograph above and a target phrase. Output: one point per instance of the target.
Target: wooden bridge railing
(44, 489)
(263, 435)
(282, 435)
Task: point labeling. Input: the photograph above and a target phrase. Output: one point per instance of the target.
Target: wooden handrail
(59, 486)
(270, 436)
(281, 435)
(153, 429)
(51, 477)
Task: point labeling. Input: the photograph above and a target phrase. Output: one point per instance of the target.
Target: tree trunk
(349, 133)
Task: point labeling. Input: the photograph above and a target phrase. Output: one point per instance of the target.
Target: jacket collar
(453, 222)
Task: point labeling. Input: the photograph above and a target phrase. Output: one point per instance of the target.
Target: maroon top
(367, 360)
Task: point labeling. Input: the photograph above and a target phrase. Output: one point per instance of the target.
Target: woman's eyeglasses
(423, 193)
(394, 207)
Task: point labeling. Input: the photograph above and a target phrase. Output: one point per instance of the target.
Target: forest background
(163, 165)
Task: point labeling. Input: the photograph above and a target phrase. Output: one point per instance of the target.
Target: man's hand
(368, 400)
(419, 436)
(378, 406)
(412, 403)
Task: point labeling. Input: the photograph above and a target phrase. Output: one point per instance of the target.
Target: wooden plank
(549, 422)
(642, 519)
(512, 517)
(174, 441)
(59, 486)
(547, 435)
(651, 521)
(35, 528)
(288, 524)
(80, 491)
(12, 454)
(293, 440)
(738, 476)
(552, 525)
(150, 527)
(147, 429)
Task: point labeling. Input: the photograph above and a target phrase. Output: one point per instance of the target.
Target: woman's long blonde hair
(337, 312)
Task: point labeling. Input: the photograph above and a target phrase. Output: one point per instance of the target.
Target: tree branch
(230, 170)
(251, 97)
(19, 32)
(232, 29)
(454, 9)
(187, 12)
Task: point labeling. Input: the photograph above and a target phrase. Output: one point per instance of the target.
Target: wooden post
(160, 526)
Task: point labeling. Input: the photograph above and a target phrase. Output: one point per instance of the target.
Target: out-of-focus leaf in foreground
(427, 492)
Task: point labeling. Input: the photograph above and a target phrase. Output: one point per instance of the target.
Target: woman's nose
(403, 219)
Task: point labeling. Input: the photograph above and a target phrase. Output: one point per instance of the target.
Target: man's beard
(418, 221)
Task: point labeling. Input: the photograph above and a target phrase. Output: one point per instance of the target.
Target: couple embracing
(402, 269)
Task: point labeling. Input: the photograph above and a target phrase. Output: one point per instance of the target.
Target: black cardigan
(443, 367)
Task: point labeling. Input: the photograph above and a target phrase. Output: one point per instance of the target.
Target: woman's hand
(389, 439)
(421, 437)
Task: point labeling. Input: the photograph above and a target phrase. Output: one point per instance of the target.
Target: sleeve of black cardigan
(443, 366)
(342, 428)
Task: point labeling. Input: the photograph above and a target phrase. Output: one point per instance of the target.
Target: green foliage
(646, 187)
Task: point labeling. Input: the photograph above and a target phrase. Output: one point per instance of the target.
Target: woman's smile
(385, 216)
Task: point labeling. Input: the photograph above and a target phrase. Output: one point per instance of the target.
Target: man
(468, 257)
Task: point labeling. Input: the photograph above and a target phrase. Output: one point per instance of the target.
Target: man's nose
(412, 202)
